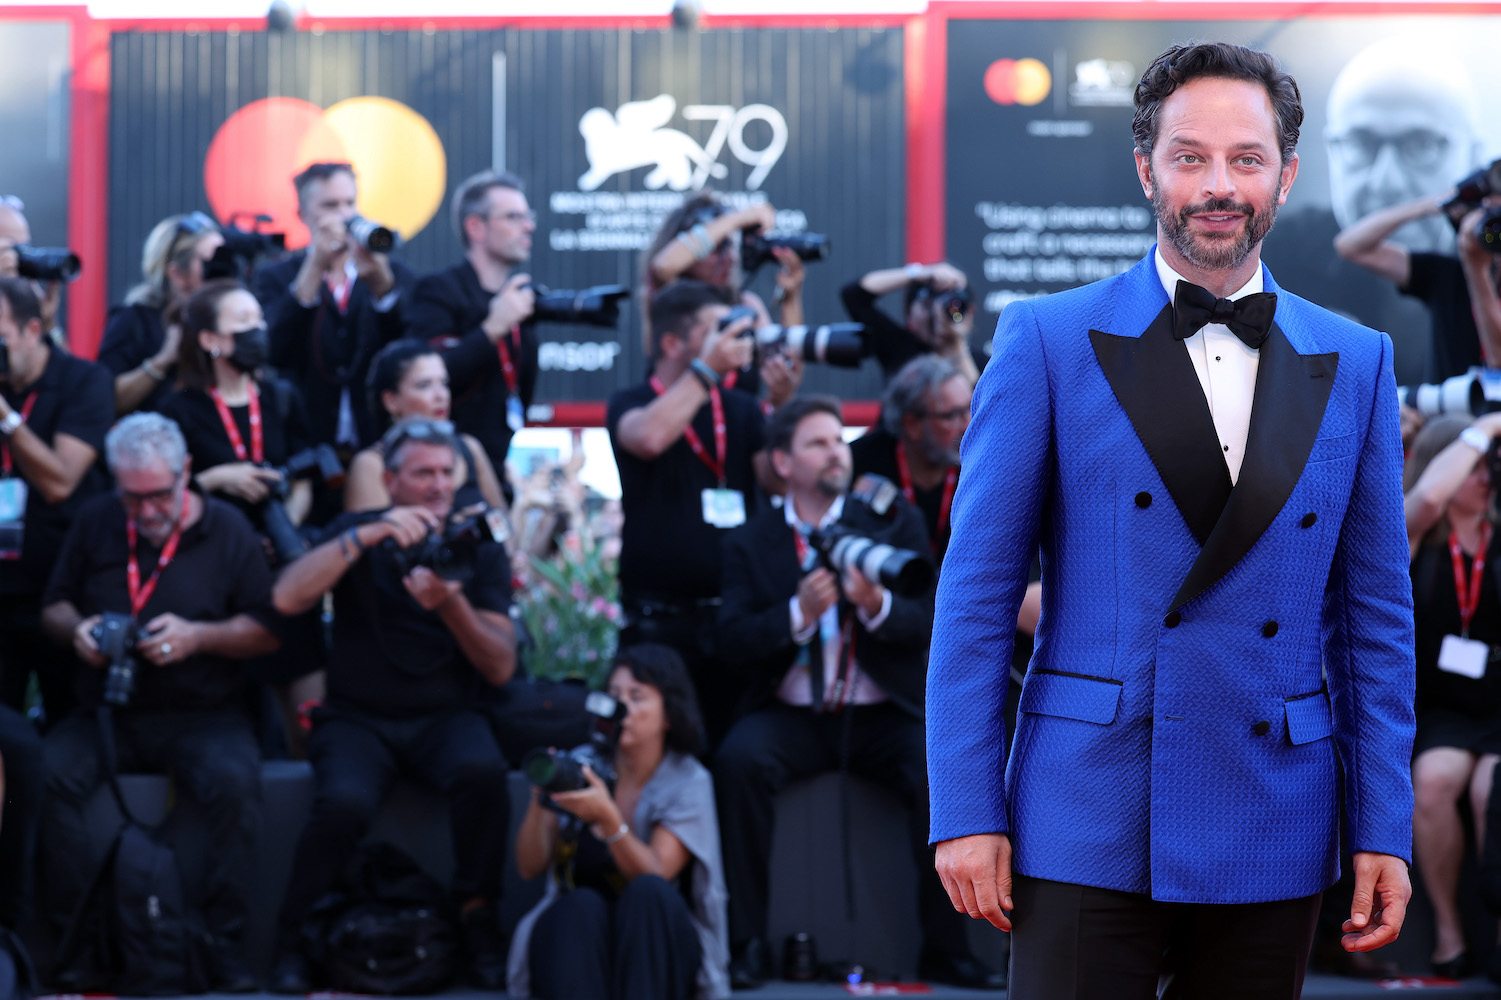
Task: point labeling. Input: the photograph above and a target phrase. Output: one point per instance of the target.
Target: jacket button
(1172, 620)
(1309, 519)
(1262, 728)
(1269, 629)
(1143, 499)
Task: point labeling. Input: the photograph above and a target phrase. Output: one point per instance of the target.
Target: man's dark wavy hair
(662, 668)
(1182, 63)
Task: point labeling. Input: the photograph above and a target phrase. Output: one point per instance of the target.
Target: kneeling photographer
(421, 594)
(827, 610)
(938, 315)
(625, 827)
(162, 593)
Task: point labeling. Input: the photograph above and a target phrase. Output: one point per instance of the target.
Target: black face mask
(252, 347)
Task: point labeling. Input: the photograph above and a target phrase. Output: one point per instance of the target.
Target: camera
(839, 344)
(1488, 229)
(319, 463)
(47, 263)
(756, 248)
(598, 305)
(242, 247)
(1475, 392)
(900, 571)
(563, 770)
(1469, 193)
(956, 302)
(452, 554)
(372, 236)
(117, 636)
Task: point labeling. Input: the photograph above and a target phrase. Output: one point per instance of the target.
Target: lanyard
(139, 595)
(6, 462)
(257, 452)
(1469, 596)
(949, 482)
(715, 464)
(507, 366)
(341, 292)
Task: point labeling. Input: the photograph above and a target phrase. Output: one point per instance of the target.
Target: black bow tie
(1248, 317)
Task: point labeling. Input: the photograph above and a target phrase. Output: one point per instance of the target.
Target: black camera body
(319, 464)
(901, 571)
(598, 305)
(452, 554)
(756, 248)
(563, 770)
(117, 636)
(47, 263)
(955, 302)
(1469, 193)
(243, 247)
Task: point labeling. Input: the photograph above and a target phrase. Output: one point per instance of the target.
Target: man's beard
(936, 454)
(834, 482)
(1220, 252)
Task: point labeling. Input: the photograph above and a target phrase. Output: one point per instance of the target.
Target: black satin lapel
(1154, 380)
(1292, 391)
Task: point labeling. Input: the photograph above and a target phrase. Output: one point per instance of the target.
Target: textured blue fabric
(1197, 765)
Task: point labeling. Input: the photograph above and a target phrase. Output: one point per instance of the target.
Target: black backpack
(134, 933)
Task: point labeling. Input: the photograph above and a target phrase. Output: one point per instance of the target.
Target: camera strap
(140, 595)
(507, 363)
(257, 452)
(721, 445)
(6, 461)
(1469, 596)
(950, 481)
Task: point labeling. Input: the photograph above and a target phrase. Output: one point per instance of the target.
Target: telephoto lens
(48, 263)
(373, 236)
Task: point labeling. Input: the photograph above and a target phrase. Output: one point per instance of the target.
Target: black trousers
(691, 634)
(25, 793)
(357, 757)
(25, 649)
(213, 760)
(641, 947)
(1074, 942)
(772, 747)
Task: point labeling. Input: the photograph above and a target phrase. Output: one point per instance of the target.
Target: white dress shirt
(1227, 371)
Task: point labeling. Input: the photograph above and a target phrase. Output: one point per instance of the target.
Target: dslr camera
(756, 248)
(563, 770)
(1469, 194)
(1476, 392)
(841, 345)
(47, 263)
(243, 247)
(372, 236)
(318, 464)
(452, 554)
(900, 571)
(598, 305)
(953, 302)
(117, 636)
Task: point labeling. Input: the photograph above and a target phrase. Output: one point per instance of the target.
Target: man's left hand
(1382, 890)
(172, 640)
(863, 594)
(374, 269)
(429, 589)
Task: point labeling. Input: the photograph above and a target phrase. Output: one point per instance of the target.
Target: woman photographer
(139, 347)
(1454, 546)
(635, 904)
(409, 380)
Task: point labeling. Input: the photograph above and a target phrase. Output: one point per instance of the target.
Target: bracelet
(706, 375)
(915, 271)
(617, 836)
(1476, 438)
(155, 372)
(11, 423)
(698, 241)
(354, 540)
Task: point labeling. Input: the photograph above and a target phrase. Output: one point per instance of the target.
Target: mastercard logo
(396, 155)
(1018, 81)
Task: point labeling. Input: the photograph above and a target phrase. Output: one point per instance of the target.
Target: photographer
(330, 307)
(634, 908)
(1461, 294)
(54, 412)
(690, 458)
(411, 650)
(939, 316)
(140, 345)
(834, 668)
(479, 312)
(15, 231)
(188, 572)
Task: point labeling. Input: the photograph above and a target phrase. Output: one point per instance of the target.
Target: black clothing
(874, 453)
(892, 344)
(690, 629)
(25, 796)
(219, 571)
(213, 760)
(641, 946)
(1454, 710)
(668, 552)
(1074, 942)
(1438, 281)
(446, 310)
(390, 657)
(133, 334)
(326, 352)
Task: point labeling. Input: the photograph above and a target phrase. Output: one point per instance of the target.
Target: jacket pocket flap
(1071, 696)
(1309, 718)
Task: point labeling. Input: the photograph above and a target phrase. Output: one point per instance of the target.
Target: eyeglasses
(515, 218)
(193, 224)
(954, 416)
(12, 202)
(417, 429)
(1418, 148)
(157, 498)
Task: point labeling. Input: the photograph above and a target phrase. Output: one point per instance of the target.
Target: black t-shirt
(891, 343)
(219, 571)
(1439, 282)
(392, 658)
(73, 397)
(875, 452)
(668, 551)
(134, 334)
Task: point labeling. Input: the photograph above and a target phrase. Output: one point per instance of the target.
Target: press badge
(1462, 656)
(515, 414)
(724, 508)
(13, 516)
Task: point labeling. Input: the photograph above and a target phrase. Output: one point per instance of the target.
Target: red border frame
(857, 413)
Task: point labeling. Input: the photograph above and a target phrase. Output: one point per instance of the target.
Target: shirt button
(1217, 357)
(1262, 728)
(1172, 620)
(1269, 629)
(1143, 499)
(1309, 519)
(1227, 447)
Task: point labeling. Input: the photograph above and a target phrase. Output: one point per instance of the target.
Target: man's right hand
(726, 350)
(409, 525)
(246, 480)
(976, 872)
(816, 593)
(944, 276)
(84, 644)
(330, 237)
(510, 306)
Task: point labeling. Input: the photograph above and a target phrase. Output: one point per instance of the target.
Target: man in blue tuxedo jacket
(1212, 470)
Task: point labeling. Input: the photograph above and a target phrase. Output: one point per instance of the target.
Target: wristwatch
(915, 271)
(9, 424)
(1476, 438)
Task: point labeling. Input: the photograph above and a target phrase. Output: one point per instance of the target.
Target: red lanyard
(507, 366)
(5, 459)
(257, 452)
(139, 595)
(341, 292)
(715, 464)
(1469, 596)
(950, 481)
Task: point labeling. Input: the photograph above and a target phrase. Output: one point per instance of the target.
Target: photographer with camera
(140, 345)
(690, 459)
(635, 901)
(54, 412)
(161, 593)
(332, 305)
(1460, 293)
(829, 643)
(420, 624)
(939, 315)
(19, 259)
(479, 312)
